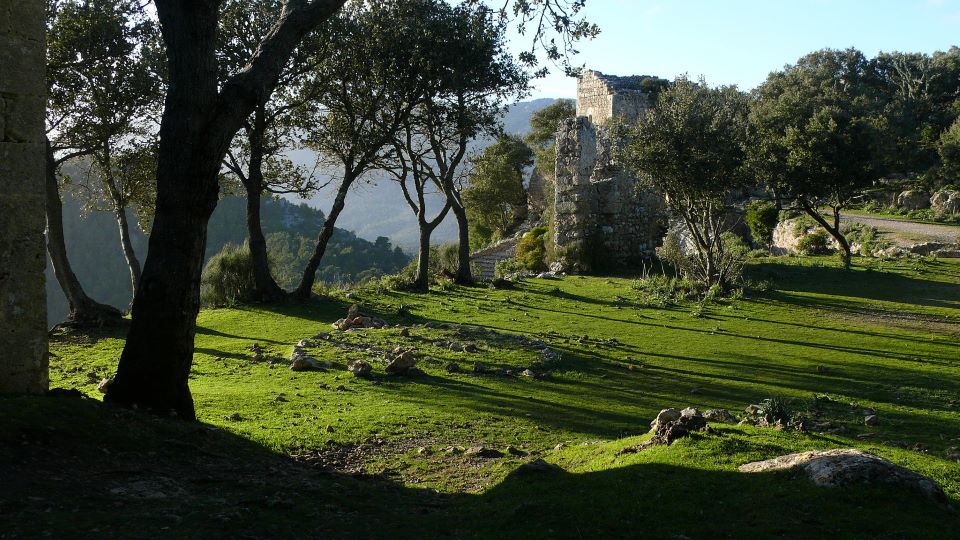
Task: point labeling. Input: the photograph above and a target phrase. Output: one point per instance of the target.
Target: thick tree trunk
(267, 289)
(422, 281)
(464, 275)
(133, 264)
(200, 118)
(833, 230)
(310, 272)
(84, 311)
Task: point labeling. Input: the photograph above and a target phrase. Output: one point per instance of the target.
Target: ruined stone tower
(23, 313)
(603, 217)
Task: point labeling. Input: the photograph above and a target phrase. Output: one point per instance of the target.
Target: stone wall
(23, 332)
(602, 215)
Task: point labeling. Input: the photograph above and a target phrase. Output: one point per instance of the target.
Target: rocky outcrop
(913, 200)
(945, 201)
(843, 467)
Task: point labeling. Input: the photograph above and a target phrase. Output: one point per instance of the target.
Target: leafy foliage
(227, 278)
(495, 198)
(762, 217)
(531, 251)
(815, 243)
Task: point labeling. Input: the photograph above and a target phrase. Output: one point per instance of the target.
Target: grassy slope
(888, 332)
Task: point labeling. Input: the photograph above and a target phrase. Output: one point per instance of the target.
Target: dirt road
(906, 233)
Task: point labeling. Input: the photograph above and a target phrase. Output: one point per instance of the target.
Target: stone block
(22, 168)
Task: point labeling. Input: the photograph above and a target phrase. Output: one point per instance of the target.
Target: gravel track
(906, 233)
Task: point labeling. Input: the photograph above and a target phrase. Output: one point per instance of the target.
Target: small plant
(775, 410)
(508, 267)
(815, 243)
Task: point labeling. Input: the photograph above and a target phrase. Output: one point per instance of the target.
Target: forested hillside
(93, 245)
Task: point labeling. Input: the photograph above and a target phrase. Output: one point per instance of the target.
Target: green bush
(531, 251)
(661, 291)
(815, 243)
(227, 279)
(507, 267)
(762, 218)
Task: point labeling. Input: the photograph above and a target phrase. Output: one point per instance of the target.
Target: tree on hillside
(690, 146)
(541, 139)
(361, 95)
(105, 88)
(815, 135)
(495, 198)
(948, 148)
(202, 114)
(467, 79)
(257, 156)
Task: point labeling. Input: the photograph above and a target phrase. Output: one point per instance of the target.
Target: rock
(528, 373)
(104, 385)
(664, 416)
(557, 267)
(471, 348)
(280, 399)
(753, 410)
(822, 369)
(235, 417)
(947, 253)
(423, 450)
(483, 452)
(304, 343)
(456, 347)
(953, 454)
(302, 362)
(353, 312)
(349, 296)
(359, 368)
(689, 420)
(330, 429)
(945, 201)
(453, 367)
(402, 363)
(843, 467)
(719, 416)
(928, 248)
(871, 420)
(913, 200)
(559, 446)
(405, 332)
(322, 335)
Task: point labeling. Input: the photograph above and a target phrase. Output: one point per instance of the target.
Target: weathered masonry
(23, 314)
(603, 216)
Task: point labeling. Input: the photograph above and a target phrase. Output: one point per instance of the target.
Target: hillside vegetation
(323, 453)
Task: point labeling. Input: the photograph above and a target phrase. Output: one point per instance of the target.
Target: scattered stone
(235, 417)
(871, 420)
(405, 332)
(471, 348)
(753, 410)
(842, 467)
(868, 435)
(359, 368)
(453, 367)
(867, 411)
(302, 362)
(280, 398)
(822, 370)
(479, 368)
(528, 373)
(104, 385)
(423, 450)
(456, 347)
(322, 335)
(689, 420)
(719, 416)
(665, 416)
(355, 320)
(559, 446)
(483, 452)
(402, 363)
(454, 450)
(304, 343)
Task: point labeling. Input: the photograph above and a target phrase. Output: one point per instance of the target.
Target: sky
(741, 41)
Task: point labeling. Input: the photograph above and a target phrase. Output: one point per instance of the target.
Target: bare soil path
(905, 233)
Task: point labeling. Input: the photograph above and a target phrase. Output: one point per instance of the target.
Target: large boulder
(913, 200)
(843, 467)
(402, 363)
(946, 201)
(663, 417)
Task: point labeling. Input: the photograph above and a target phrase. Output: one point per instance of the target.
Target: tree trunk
(266, 288)
(84, 311)
(464, 275)
(422, 281)
(310, 272)
(132, 262)
(834, 230)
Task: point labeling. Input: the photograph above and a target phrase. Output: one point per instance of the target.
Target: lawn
(384, 457)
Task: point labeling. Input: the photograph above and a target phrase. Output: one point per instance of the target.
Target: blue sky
(741, 41)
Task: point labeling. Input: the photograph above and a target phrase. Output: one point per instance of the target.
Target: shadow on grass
(73, 467)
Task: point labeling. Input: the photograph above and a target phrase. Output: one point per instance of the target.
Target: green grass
(887, 332)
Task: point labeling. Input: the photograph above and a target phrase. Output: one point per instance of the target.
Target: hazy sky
(741, 41)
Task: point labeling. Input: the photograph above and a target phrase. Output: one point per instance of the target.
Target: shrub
(507, 267)
(227, 278)
(815, 243)
(762, 218)
(531, 250)
(662, 291)
(775, 410)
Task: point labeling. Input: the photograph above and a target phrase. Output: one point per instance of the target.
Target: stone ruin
(603, 217)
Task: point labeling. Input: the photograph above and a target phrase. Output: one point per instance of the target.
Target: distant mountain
(376, 207)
